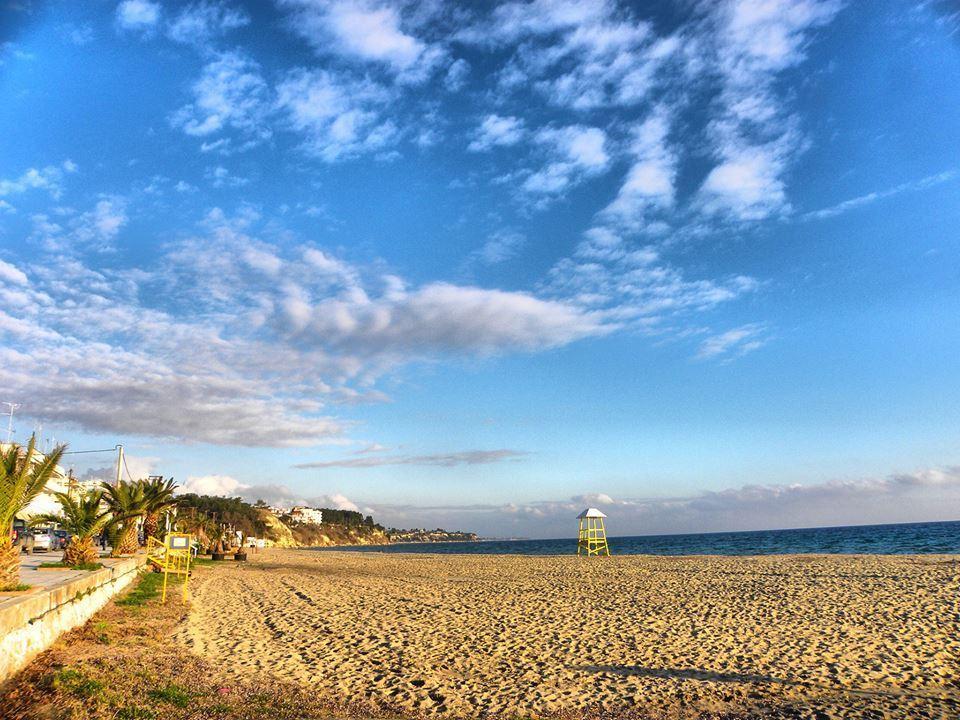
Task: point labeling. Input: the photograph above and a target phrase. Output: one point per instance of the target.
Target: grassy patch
(146, 590)
(81, 566)
(173, 694)
(18, 588)
(76, 683)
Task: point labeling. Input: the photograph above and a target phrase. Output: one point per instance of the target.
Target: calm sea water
(938, 537)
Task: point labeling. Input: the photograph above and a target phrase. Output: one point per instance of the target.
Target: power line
(127, 469)
(81, 452)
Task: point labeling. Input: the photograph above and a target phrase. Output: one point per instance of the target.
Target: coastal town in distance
(460, 360)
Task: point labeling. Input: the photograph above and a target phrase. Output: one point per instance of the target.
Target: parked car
(44, 539)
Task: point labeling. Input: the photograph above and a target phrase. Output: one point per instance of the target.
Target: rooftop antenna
(12, 406)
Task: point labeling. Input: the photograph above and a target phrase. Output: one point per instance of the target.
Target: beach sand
(469, 635)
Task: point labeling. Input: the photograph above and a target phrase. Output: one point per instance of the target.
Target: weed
(173, 694)
(147, 589)
(76, 683)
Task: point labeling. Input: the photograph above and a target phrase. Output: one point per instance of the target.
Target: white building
(307, 515)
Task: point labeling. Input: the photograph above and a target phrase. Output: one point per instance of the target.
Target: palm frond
(23, 476)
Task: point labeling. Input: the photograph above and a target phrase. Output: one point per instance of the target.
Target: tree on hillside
(24, 473)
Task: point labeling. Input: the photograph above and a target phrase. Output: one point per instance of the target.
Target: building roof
(591, 512)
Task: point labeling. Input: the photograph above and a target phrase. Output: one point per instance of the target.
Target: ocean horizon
(887, 539)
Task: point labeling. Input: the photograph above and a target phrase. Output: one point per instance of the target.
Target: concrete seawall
(31, 622)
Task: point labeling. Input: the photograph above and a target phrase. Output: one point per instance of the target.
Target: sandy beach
(456, 636)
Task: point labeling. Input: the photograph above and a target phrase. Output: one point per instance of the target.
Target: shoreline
(466, 635)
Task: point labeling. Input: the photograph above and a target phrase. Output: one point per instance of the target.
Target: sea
(899, 539)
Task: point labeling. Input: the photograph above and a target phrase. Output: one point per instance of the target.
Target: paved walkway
(29, 574)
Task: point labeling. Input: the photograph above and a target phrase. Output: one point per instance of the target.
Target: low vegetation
(68, 566)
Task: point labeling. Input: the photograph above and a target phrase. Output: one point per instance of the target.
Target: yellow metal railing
(172, 556)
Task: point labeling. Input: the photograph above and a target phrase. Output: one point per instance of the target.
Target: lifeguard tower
(593, 536)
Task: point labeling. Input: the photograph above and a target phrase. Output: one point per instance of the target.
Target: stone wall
(33, 622)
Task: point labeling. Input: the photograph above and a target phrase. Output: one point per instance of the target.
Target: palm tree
(200, 526)
(127, 504)
(159, 496)
(83, 518)
(23, 475)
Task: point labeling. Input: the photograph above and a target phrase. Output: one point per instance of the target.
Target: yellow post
(592, 538)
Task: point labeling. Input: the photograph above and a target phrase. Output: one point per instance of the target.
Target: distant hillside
(339, 527)
(425, 536)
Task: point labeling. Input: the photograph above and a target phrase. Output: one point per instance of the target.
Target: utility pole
(12, 406)
(119, 464)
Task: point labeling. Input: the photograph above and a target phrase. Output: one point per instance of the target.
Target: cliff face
(331, 535)
(305, 535)
(276, 531)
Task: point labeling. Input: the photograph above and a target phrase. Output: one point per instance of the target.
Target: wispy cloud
(464, 457)
(47, 178)
(870, 198)
(733, 343)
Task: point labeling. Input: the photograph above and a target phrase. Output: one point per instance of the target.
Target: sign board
(179, 542)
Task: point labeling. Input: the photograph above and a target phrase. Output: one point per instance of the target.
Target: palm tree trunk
(9, 563)
(128, 542)
(151, 525)
(80, 551)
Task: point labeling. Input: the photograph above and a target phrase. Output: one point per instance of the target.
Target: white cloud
(221, 485)
(201, 22)
(12, 274)
(443, 318)
(457, 75)
(575, 152)
(371, 32)
(631, 285)
(447, 460)
(95, 229)
(231, 94)
(500, 246)
(497, 131)
(255, 343)
(138, 15)
(79, 35)
(870, 198)
(339, 117)
(733, 343)
(47, 178)
(907, 497)
(754, 135)
(650, 183)
(578, 55)
(748, 183)
(220, 177)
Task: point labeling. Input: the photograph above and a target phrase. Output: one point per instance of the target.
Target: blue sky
(477, 265)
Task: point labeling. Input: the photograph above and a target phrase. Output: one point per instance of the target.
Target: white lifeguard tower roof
(590, 512)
